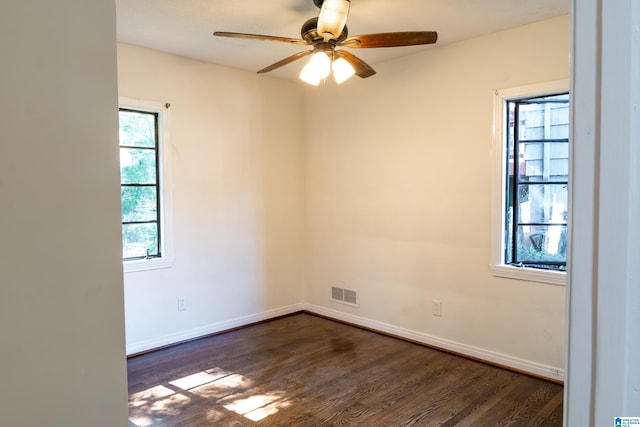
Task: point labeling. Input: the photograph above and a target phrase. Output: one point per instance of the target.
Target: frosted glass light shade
(332, 18)
(342, 70)
(318, 68)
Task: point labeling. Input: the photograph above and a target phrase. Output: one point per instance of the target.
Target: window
(139, 184)
(143, 185)
(532, 184)
(537, 181)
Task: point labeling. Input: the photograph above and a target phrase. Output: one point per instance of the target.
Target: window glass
(140, 184)
(537, 181)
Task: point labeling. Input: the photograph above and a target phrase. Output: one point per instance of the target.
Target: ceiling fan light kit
(317, 69)
(342, 70)
(329, 31)
(320, 66)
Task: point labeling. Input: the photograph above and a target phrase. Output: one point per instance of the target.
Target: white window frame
(166, 204)
(499, 154)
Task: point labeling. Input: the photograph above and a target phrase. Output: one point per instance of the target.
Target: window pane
(137, 239)
(542, 203)
(139, 204)
(544, 161)
(559, 121)
(544, 118)
(137, 166)
(137, 128)
(542, 244)
(531, 122)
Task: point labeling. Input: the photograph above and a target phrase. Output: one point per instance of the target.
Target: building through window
(537, 180)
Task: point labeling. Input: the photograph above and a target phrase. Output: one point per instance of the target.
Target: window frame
(499, 153)
(163, 172)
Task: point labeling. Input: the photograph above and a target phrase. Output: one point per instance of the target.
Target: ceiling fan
(326, 33)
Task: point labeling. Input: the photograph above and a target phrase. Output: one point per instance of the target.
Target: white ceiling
(185, 27)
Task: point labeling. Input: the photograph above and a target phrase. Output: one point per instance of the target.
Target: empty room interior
(383, 205)
(282, 190)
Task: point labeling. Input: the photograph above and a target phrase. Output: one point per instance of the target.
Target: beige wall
(61, 300)
(399, 177)
(237, 167)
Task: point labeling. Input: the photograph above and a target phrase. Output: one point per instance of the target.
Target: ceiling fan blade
(286, 61)
(260, 37)
(363, 69)
(407, 38)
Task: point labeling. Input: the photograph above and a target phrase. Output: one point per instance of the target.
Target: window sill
(146, 264)
(558, 278)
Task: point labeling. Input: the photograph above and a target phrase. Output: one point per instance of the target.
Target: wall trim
(147, 346)
(512, 363)
(498, 154)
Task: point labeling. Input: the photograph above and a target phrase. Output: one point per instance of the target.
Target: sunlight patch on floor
(141, 421)
(258, 407)
(265, 411)
(223, 387)
(153, 393)
(198, 379)
(220, 389)
(170, 405)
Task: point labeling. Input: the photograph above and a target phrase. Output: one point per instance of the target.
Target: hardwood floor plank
(480, 397)
(305, 370)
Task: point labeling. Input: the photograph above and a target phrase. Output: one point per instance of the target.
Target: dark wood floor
(308, 371)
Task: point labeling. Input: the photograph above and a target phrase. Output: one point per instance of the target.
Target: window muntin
(140, 184)
(537, 183)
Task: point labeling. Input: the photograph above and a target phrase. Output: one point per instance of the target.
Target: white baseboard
(146, 345)
(523, 365)
(492, 357)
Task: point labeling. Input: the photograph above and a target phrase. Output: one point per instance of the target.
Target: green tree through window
(140, 184)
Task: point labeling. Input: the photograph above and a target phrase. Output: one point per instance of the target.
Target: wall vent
(344, 296)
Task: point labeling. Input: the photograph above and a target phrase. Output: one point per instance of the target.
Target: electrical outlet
(182, 304)
(436, 307)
